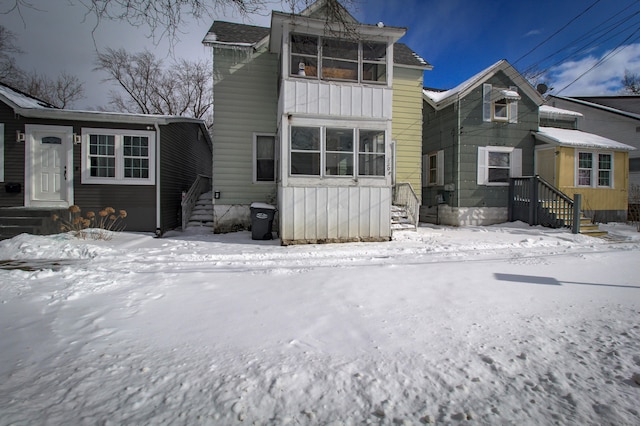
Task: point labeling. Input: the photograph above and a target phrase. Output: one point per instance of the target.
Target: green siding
(245, 102)
(440, 132)
(407, 126)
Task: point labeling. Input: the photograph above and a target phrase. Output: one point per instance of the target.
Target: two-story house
(319, 117)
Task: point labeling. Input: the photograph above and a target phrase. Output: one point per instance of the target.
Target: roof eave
(109, 117)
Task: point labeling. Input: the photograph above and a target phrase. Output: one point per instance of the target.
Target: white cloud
(567, 79)
(533, 33)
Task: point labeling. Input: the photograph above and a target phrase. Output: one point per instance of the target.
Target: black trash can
(262, 221)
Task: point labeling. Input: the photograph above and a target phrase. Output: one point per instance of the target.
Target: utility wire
(612, 53)
(558, 31)
(591, 36)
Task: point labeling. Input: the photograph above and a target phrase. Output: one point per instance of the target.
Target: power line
(558, 31)
(612, 53)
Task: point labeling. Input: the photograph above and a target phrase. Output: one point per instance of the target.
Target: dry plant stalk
(105, 222)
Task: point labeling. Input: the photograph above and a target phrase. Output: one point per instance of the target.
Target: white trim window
(433, 169)
(333, 152)
(264, 160)
(496, 164)
(1, 152)
(594, 170)
(118, 157)
(338, 59)
(500, 104)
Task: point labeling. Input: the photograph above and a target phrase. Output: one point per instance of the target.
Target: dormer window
(499, 103)
(338, 59)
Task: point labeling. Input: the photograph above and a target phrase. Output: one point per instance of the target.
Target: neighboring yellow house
(596, 167)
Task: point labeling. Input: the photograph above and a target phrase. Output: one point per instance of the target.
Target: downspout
(158, 168)
(457, 188)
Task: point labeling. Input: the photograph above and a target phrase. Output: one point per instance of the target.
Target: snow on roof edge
(577, 138)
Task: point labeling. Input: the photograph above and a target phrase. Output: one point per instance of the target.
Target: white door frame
(31, 167)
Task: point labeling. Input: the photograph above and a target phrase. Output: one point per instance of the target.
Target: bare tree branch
(183, 88)
(631, 83)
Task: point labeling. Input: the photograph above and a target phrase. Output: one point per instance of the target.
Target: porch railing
(200, 185)
(536, 202)
(404, 196)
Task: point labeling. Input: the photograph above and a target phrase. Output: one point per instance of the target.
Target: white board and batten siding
(332, 214)
(314, 97)
(334, 209)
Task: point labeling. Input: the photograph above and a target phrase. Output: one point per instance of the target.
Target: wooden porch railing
(202, 184)
(405, 196)
(536, 202)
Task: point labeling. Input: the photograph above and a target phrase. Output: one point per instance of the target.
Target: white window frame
(1, 152)
(515, 163)
(119, 178)
(595, 169)
(438, 157)
(255, 158)
(319, 57)
(490, 95)
(323, 152)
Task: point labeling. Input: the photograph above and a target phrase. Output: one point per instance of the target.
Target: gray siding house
(475, 137)
(53, 158)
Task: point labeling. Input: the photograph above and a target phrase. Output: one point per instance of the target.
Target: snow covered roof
(233, 35)
(578, 139)
(441, 99)
(28, 106)
(15, 98)
(547, 111)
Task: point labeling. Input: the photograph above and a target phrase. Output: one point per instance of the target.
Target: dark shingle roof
(229, 32)
(403, 55)
(623, 103)
(233, 33)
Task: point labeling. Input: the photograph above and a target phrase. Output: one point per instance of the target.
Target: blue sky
(461, 37)
(458, 37)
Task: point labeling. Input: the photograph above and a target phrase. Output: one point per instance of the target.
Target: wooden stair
(400, 218)
(587, 227)
(202, 213)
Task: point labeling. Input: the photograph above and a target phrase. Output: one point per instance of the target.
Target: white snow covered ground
(506, 324)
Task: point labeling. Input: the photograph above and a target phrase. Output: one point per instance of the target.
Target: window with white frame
(433, 168)
(264, 151)
(371, 153)
(118, 156)
(594, 169)
(499, 103)
(496, 164)
(338, 59)
(1, 152)
(333, 152)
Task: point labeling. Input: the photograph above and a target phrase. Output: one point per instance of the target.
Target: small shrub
(105, 222)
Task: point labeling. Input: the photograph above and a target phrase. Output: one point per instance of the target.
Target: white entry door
(49, 177)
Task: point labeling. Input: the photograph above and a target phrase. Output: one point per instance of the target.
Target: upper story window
(500, 103)
(338, 59)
